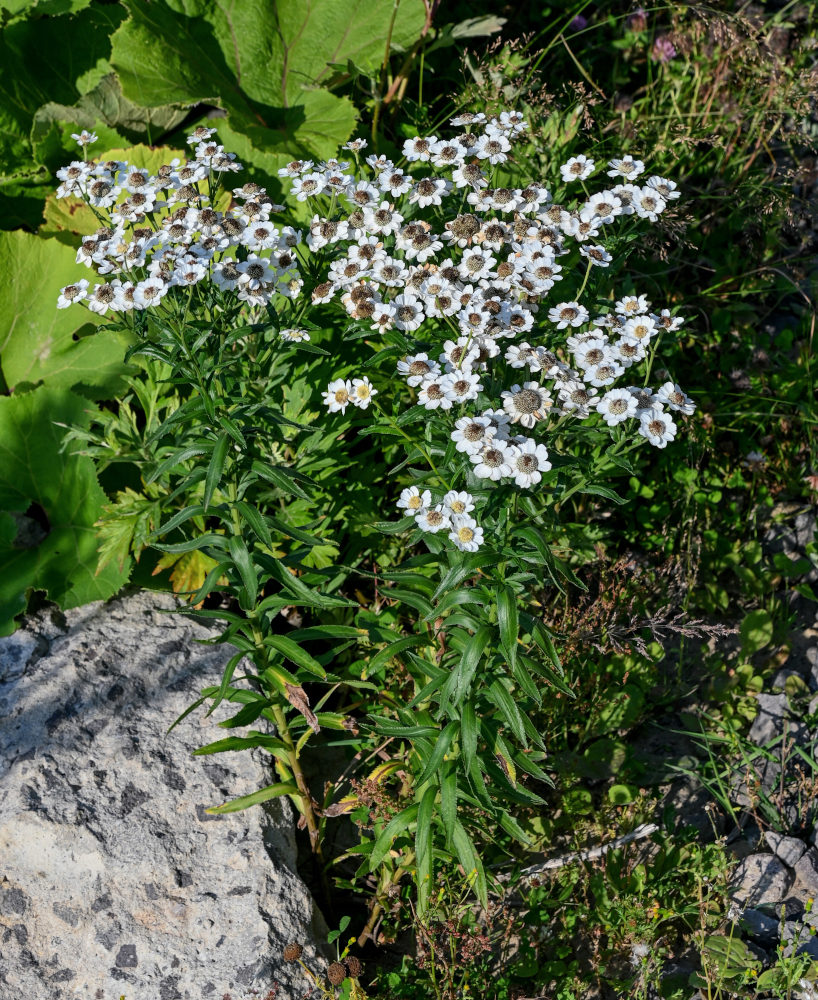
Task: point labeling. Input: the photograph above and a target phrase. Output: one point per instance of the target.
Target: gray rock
(806, 872)
(113, 876)
(773, 713)
(760, 926)
(789, 849)
(758, 880)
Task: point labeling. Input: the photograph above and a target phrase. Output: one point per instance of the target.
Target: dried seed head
(336, 973)
(354, 966)
(293, 952)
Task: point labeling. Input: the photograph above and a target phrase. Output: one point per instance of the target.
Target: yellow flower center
(459, 507)
(413, 503)
(341, 396)
(465, 534)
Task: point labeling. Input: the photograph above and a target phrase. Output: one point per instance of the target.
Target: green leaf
(508, 621)
(472, 865)
(395, 826)
(501, 697)
(294, 652)
(262, 795)
(756, 631)
(33, 470)
(458, 685)
(244, 563)
(469, 729)
(37, 340)
(241, 743)
(423, 847)
(215, 468)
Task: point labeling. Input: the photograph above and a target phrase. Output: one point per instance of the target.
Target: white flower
(629, 350)
(626, 167)
(469, 175)
(528, 462)
(308, 186)
(668, 322)
(471, 433)
(362, 392)
(412, 500)
(102, 193)
(417, 367)
(460, 386)
(255, 272)
(645, 399)
(337, 395)
(447, 153)
(675, 398)
(295, 168)
(433, 519)
(476, 263)
(665, 187)
(640, 328)
(355, 145)
(493, 461)
(419, 148)
(468, 118)
(363, 194)
(459, 503)
(102, 298)
(649, 203)
(632, 305)
(200, 134)
(578, 168)
(597, 255)
(577, 398)
(382, 218)
(616, 405)
(657, 427)
(149, 292)
(466, 534)
(84, 138)
(568, 314)
(591, 352)
(603, 374)
(294, 335)
(429, 191)
(394, 181)
(226, 274)
(433, 393)
(72, 293)
(492, 147)
(527, 404)
(408, 312)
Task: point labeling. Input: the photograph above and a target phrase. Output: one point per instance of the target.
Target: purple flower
(663, 49)
(579, 23)
(638, 20)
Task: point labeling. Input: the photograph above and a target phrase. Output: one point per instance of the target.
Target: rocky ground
(114, 880)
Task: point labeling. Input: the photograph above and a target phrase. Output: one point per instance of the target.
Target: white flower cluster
(452, 515)
(433, 246)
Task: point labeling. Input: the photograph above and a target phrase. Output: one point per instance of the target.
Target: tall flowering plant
(477, 326)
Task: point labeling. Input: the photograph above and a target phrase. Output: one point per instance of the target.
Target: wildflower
(492, 461)
(466, 534)
(433, 519)
(577, 398)
(72, 293)
(568, 314)
(434, 393)
(663, 50)
(412, 500)
(492, 147)
(471, 433)
(756, 460)
(338, 395)
(528, 462)
(458, 503)
(526, 404)
(596, 255)
(674, 397)
(657, 427)
(362, 392)
(460, 386)
(84, 138)
(294, 335)
(419, 148)
(626, 167)
(578, 168)
(616, 406)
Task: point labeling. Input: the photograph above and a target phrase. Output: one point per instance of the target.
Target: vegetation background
(675, 614)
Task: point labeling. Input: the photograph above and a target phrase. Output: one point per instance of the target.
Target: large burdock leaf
(267, 64)
(39, 341)
(64, 488)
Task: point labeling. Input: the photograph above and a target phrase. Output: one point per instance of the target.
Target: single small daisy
(493, 461)
(626, 167)
(528, 462)
(616, 405)
(433, 519)
(362, 392)
(337, 395)
(466, 534)
(578, 168)
(72, 293)
(675, 398)
(459, 503)
(294, 335)
(412, 500)
(657, 427)
(566, 314)
(527, 404)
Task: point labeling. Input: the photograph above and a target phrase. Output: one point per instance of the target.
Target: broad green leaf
(37, 340)
(284, 645)
(64, 486)
(756, 631)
